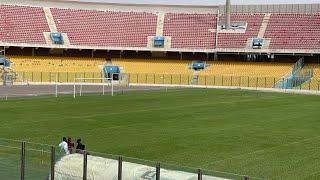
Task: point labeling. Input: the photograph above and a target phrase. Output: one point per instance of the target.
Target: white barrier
(70, 167)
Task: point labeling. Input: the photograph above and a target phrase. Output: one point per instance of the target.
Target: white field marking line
(263, 150)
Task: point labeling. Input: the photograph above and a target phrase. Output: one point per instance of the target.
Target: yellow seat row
(251, 69)
(153, 66)
(56, 64)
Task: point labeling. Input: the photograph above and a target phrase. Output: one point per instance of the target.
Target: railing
(28, 160)
(170, 79)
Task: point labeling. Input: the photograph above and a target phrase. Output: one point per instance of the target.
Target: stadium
(159, 91)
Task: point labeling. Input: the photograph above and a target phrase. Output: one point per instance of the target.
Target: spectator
(70, 145)
(80, 147)
(64, 146)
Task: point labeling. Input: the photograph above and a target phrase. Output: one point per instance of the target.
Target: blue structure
(158, 41)
(296, 77)
(4, 62)
(56, 38)
(257, 43)
(111, 72)
(198, 65)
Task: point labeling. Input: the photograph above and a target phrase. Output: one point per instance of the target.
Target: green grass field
(266, 135)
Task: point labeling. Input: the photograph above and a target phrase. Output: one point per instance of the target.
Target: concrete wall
(273, 8)
(114, 6)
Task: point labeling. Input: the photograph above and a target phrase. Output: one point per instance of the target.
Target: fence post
(257, 81)
(158, 171)
(199, 174)
(23, 159)
(32, 76)
(205, 80)
(137, 78)
(274, 82)
(214, 80)
(248, 81)
(221, 80)
(85, 165)
(120, 168)
(246, 178)
(318, 85)
(239, 81)
(171, 78)
(53, 156)
(146, 78)
(41, 76)
(265, 82)
(162, 78)
(180, 80)
(231, 80)
(309, 85)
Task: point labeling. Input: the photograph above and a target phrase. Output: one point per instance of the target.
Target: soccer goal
(99, 85)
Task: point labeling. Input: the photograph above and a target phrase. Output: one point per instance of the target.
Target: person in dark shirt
(80, 147)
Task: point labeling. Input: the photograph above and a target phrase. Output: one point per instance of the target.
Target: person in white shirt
(64, 146)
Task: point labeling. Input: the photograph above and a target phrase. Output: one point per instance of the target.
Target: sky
(207, 2)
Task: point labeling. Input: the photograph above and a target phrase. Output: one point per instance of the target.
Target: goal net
(103, 86)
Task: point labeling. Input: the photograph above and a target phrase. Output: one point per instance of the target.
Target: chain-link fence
(27, 160)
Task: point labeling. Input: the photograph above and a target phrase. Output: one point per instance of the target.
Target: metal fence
(170, 79)
(26, 160)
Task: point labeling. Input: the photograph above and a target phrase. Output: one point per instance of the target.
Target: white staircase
(53, 28)
(264, 25)
(50, 20)
(160, 24)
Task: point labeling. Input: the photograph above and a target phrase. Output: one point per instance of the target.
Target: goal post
(99, 85)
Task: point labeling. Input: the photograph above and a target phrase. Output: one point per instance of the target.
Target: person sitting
(64, 146)
(70, 145)
(80, 147)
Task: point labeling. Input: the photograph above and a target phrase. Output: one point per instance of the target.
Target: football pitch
(265, 135)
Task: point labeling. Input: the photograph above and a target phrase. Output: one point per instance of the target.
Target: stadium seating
(155, 71)
(22, 24)
(56, 64)
(314, 83)
(153, 66)
(253, 69)
(245, 74)
(105, 28)
(239, 40)
(294, 31)
(191, 30)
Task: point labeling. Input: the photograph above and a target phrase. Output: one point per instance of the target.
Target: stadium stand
(294, 31)
(22, 24)
(105, 28)
(246, 74)
(56, 64)
(154, 66)
(191, 30)
(239, 40)
(254, 69)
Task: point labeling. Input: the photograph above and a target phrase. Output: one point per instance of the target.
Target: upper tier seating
(191, 30)
(294, 31)
(154, 66)
(239, 40)
(22, 24)
(56, 64)
(101, 28)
